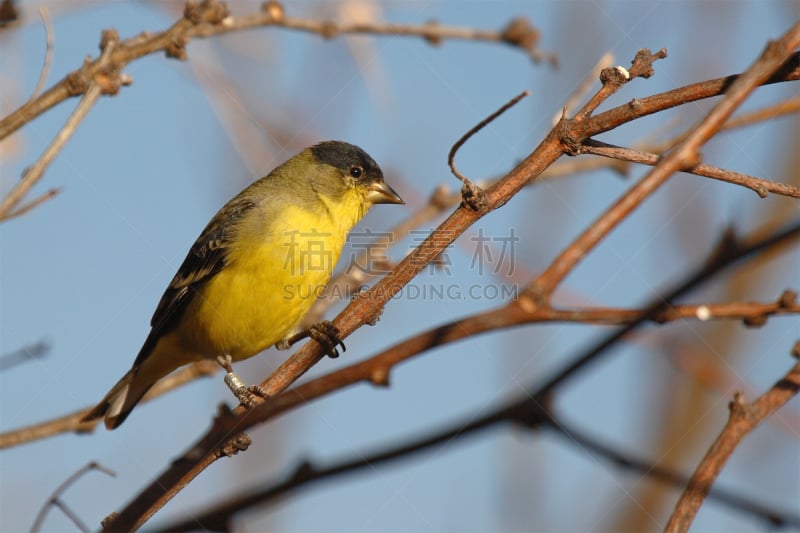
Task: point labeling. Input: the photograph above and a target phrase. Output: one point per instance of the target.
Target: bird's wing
(207, 256)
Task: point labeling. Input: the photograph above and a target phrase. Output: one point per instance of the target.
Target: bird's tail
(120, 400)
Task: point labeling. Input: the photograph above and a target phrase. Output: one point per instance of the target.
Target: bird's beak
(379, 192)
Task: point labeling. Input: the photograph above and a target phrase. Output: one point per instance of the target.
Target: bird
(254, 272)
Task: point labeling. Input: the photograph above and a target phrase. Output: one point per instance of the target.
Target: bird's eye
(356, 171)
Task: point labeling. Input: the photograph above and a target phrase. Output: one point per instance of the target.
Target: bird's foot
(327, 335)
(324, 333)
(247, 396)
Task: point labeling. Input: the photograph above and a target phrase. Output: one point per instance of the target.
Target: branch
(72, 422)
(560, 138)
(55, 499)
(789, 70)
(508, 316)
(743, 419)
(439, 202)
(48, 52)
(686, 154)
(562, 168)
(8, 206)
(499, 192)
(729, 251)
(217, 443)
(8, 14)
(716, 376)
(33, 204)
(784, 107)
(442, 198)
(205, 19)
(518, 32)
(307, 472)
(586, 85)
(471, 193)
(351, 279)
(762, 187)
(736, 502)
(22, 355)
(358, 312)
(211, 18)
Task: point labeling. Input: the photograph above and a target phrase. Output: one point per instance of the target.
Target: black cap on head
(356, 163)
(344, 155)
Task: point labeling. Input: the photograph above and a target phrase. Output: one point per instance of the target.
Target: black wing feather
(207, 256)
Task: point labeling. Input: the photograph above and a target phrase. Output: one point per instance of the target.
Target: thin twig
(348, 281)
(743, 419)
(715, 375)
(760, 186)
(785, 107)
(55, 498)
(564, 168)
(33, 204)
(789, 70)
(518, 32)
(475, 129)
(442, 199)
(21, 355)
(584, 86)
(35, 172)
(44, 13)
(613, 78)
(473, 195)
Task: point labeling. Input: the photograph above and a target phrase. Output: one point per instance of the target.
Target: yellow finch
(255, 270)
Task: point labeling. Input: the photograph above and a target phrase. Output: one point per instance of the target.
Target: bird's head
(343, 169)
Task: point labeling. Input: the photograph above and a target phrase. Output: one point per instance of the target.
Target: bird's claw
(327, 335)
(250, 396)
(324, 333)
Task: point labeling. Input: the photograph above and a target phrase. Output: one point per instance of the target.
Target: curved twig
(472, 192)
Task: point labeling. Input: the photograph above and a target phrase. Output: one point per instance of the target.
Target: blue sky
(148, 168)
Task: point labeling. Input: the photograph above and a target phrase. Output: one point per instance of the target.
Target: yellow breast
(271, 280)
